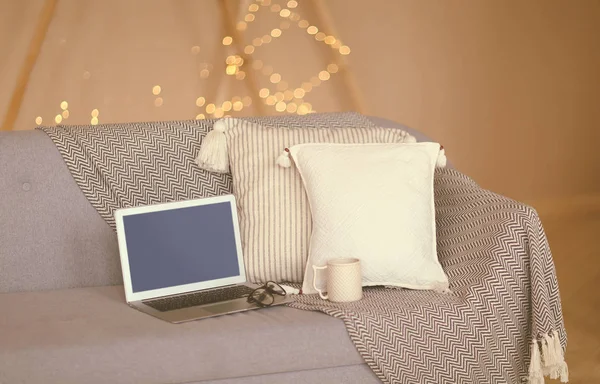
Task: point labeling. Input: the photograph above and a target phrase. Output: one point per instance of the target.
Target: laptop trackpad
(231, 306)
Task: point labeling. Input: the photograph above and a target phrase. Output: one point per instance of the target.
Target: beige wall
(511, 88)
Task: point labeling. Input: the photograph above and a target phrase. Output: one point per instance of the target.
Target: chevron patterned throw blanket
(502, 322)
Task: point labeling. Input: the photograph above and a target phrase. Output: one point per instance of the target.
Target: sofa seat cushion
(90, 335)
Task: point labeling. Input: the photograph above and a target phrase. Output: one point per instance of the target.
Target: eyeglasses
(264, 295)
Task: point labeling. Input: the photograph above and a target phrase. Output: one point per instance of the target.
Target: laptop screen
(180, 246)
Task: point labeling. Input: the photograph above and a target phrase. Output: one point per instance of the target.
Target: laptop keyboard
(199, 298)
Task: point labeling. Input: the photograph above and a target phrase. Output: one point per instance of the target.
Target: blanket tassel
(549, 362)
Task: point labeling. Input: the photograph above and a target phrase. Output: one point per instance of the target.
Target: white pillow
(373, 202)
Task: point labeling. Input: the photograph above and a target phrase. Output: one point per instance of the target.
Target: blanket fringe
(550, 362)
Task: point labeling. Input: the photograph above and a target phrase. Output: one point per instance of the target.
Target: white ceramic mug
(344, 280)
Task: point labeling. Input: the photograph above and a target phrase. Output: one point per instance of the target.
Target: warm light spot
(238, 60)
(257, 41)
(329, 40)
(292, 4)
(249, 18)
(288, 95)
(238, 105)
(253, 7)
(95, 112)
(271, 100)
(344, 50)
(303, 24)
(320, 36)
(230, 59)
(210, 108)
(38, 120)
(315, 81)
(276, 32)
(65, 114)
(249, 49)
(241, 26)
(227, 40)
(332, 68)
(58, 119)
(267, 70)
(275, 78)
(200, 116)
(158, 101)
(195, 50)
(312, 30)
(266, 39)
(285, 13)
(324, 75)
(204, 73)
(257, 64)
(279, 96)
(263, 93)
(302, 110)
(299, 93)
(64, 105)
(200, 101)
(218, 113)
(231, 70)
(94, 121)
(156, 90)
(292, 107)
(294, 16)
(280, 107)
(275, 8)
(86, 75)
(284, 24)
(227, 105)
(336, 45)
(241, 75)
(308, 106)
(307, 87)
(247, 101)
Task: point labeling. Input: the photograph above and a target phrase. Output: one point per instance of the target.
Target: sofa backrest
(50, 235)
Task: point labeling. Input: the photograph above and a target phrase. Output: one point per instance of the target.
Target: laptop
(183, 261)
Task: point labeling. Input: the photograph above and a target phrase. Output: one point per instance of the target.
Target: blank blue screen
(180, 246)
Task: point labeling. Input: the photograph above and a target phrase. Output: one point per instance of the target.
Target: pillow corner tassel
(284, 160)
(213, 150)
(441, 159)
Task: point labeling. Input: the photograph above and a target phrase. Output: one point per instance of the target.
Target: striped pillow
(273, 208)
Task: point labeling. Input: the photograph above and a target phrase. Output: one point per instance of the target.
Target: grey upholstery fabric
(352, 374)
(50, 235)
(89, 335)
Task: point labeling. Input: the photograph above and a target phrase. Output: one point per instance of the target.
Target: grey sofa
(63, 317)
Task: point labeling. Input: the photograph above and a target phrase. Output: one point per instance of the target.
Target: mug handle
(315, 268)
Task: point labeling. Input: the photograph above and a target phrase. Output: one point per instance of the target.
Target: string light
(284, 99)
